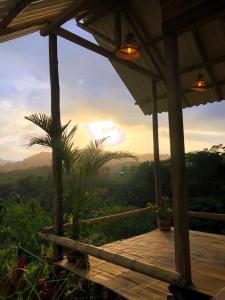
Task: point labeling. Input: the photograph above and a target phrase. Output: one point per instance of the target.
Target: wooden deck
(156, 247)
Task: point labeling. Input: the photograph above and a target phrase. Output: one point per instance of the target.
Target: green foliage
(21, 223)
(115, 230)
(105, 192)
(81, 165)
(164, 212)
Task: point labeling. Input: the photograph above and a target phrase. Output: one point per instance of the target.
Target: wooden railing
(207, 215)
(137, 212)
(108, 218)
(144, 268)
(154, 271)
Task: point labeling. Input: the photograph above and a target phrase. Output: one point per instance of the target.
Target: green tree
(81, 165)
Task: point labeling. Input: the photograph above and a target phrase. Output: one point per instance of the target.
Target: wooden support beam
(183, 70)
(117, 25)
(99, 50)
(156, 143)
(56, 140)
(179, 189)
(189, 15)
(92, 10)
(20, 6)
(98, 35)
(65, 16)
(212, 75)
(186, 91)
(132, 264)
(151, 51)
(198, 66)
(100, 13)
(20, 27)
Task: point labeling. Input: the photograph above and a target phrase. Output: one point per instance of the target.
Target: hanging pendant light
(128, 50)
(200, 85)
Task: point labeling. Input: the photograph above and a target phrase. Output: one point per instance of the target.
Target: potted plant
(164, 215)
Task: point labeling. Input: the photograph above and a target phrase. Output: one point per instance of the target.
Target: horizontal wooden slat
(207, 215)
(135, 265)
(109, 218)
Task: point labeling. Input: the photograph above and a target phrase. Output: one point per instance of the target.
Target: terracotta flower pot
(79, 259)
(164, 224)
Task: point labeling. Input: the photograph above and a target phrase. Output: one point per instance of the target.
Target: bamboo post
(179, 190)
(156, 143)
(56, 138)
(144, 268)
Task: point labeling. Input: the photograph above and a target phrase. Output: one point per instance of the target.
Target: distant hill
(43, 159)
(4, 162)
(117, 164)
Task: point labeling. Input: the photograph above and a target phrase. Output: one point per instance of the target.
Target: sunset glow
(106, 129)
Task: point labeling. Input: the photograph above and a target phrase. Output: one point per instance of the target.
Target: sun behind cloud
(106, 129)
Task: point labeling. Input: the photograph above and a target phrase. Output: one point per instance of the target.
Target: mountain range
(43, 159)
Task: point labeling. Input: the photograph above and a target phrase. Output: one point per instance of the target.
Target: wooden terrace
(178, 40)
(157, 248)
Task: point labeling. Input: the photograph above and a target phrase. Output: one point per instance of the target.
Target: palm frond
(42, 121)
(44, 141)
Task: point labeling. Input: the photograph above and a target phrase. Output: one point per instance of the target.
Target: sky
(91, 91)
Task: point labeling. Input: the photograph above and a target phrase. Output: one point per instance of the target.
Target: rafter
(69, 13)
(152, 51)
(102, 51)
(185, 91)
(100, 13)
(20, 6)
(93, 10)
(204, 55)
(192, 18)
(98, 35)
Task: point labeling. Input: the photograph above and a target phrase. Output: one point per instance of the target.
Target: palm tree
(47, 140)
(81, 165)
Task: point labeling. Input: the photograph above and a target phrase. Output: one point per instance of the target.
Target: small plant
(164, 212)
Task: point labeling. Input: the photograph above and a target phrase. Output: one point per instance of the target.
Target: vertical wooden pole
(156, 143)
(56, 131)
(179, 190)
(117, 25)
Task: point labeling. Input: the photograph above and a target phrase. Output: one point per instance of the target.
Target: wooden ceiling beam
(100, 13)
(191, 15)
(69, 13)
(152, 51)
(184, 91)
(209, 68)
(98, 35)
(13, 12)
(23, 26)
(92, 10)
(198, 66)
(101, 51)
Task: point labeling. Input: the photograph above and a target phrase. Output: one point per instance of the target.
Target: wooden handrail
(109, 218)
(118, 216)
(207, 215)
(137, 212)
(154, 271)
